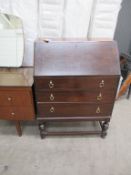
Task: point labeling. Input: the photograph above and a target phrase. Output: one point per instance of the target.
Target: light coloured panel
(11, 41)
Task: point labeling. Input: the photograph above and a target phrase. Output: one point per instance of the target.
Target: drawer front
(73, 110)
(83, 83)
(16, 113)
(76, 96)
(15, 98)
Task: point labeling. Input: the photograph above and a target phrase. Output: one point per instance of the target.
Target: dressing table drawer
(16, 113)
(15, 97)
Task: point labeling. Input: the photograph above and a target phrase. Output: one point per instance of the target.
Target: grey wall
(123, 28)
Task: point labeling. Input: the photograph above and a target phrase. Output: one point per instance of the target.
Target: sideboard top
(18, 77)
(76, 58)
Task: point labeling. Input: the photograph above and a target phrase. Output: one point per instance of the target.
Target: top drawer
(15, 97)
(81, 83)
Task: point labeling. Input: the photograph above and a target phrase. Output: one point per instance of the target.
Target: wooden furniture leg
(103, 131)
(18, 128)
(104, 126)
(42, 128)
(125, 85)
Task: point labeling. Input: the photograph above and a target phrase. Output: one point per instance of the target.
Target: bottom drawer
(73, 110)
(16, 113)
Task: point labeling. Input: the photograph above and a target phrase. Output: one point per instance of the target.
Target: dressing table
(16, 101)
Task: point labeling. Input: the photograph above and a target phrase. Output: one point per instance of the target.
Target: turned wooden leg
(18, 128)
(42, 129)
(104, 126)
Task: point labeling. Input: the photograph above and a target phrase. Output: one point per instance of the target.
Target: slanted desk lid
(76, 58)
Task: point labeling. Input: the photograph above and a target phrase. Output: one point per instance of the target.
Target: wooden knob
(12, 113)
(9, 98)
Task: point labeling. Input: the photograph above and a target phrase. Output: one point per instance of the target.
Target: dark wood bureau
(75, 81)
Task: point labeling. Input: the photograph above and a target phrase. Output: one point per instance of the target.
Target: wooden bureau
(75, 81)
(16, 100)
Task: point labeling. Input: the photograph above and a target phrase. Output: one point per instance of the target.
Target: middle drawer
(75, 96)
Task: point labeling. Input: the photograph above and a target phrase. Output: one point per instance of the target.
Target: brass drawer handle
(52, 109)
(99, 97)
(52, 97)
(101, 84)
(98, 110)
(9, 99)
(12, 113)
(51, 84)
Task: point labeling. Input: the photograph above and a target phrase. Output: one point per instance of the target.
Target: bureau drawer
(76, 96)
(73, 109)
(15, 97)
(83, 83)
(16, 113)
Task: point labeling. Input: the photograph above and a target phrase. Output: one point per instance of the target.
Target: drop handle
(101, 84)
(52, 97)
(98, 110)
(52, 109)
(99, 97)
(51, 84)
